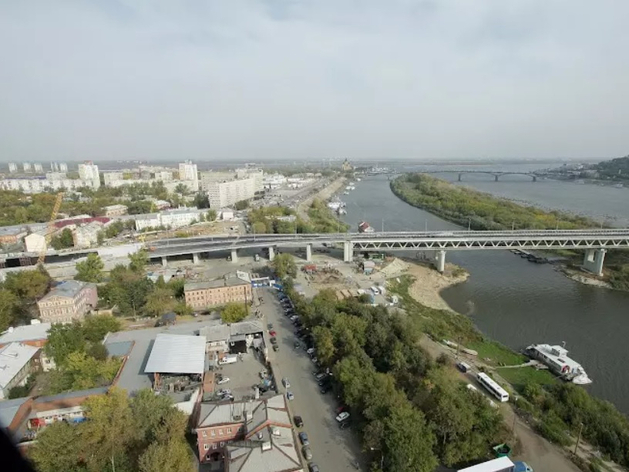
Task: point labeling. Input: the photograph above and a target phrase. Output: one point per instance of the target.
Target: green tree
(408, 442)
(138, 261)
(96, 327)
(324, 340)
(8, 306)
(182, 309)
(148, 411)
(171, 456)
(211, 215)
(28, 285)
(64, 339)
(58, 447)
(242, 205)
(63, 240)
(181, 189)
(159, 301)
(201, 200)
(90, 270)
(234, 312)
(109, 429)
(283, 265)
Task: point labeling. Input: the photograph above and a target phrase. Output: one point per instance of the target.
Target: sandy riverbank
(429, 283)
(324, 194)
(584, 278)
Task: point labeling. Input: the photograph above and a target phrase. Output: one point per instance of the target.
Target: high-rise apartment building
(188, 172)
(89, 171)
(38, 168)
(12, 167)
(224, 194)
(27, 167)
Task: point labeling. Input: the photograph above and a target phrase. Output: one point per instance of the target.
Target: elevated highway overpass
(595, 242)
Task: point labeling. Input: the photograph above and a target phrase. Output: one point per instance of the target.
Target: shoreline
(324, 194)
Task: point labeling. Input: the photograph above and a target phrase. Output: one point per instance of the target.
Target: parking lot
(243, 375)
(333, 449)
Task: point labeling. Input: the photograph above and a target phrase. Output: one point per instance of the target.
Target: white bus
(492, 387)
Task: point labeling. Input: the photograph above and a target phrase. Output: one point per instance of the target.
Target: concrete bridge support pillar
(496, 177)
(234, 255)
(593, 261)
(348, 251)
(534, 178)
(195, 258)
(164, 261)
(460, 177)
(440, 261)
(308, 252)
(271, 253)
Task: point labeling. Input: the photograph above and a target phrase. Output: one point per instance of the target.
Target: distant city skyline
(264, 80)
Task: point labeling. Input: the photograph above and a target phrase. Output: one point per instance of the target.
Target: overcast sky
(265, 79)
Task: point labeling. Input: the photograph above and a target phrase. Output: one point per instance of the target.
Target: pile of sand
(428, 283)
(394, 269)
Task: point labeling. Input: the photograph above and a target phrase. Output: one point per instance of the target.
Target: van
(375, 290)
(229, 359)
(463, 367)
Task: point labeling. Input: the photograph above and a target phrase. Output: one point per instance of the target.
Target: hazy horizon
(265, 80)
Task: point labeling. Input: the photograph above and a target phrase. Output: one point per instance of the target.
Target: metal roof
(8, 410)
(13, 357)
(25, 333)
(502, 464)
(69, 288)
(177, 354)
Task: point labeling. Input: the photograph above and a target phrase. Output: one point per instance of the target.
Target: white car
(223, 380)
(290, 395)
(342, 416)
(286, 382)
(224, 392)
(310, 350)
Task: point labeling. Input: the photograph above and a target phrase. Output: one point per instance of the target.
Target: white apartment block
(56, 176)
(211, 177)
(12, 167)
(63, 167)
(110, 177)
(39, 185)
(27, 167)
(257, 174)
(188, 171)
(164, 175)
(176, 218)
(115, 210)
(88, 171)
(225, 194)
(38, 168)
(86, 235)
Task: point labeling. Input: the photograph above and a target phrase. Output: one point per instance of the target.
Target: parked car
(299, 422)
(342, 416)
(290, 396)
(276, 347)
(286, 382)
(313, 468)
(272, 333)
(273, 340)
(297, 345)
(325, 389)
(325, 381)
(306, 452)
(320, 375)
(222, 380)
(345, 424)
(224, 391)
(270, 326)
(310, 350)
(303, 437)
(341, 409)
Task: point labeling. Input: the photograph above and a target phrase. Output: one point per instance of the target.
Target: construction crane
(50, 228)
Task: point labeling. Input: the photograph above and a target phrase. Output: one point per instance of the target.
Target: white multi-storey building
(38, 168)
(225, 194)
(63, 167)
(27, 167)
(188, 171)
(12, 167)
(164, 175)
(211, 177)
(88, 171)
(176, 218)
(257, 174)
(110, 177)
(56, 175)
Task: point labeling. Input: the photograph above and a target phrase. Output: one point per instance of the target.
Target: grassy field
(494, 353)
(519, 377)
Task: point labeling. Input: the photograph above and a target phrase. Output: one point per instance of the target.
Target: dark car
(297, 345)
(345, 424)
(312, 467)
(276, 347)
(273, 340)
(270, 326)
(325, 389)
(298, 421)
(325, 382)
(303, 437)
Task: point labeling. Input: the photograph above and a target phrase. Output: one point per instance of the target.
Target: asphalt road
(333, 449)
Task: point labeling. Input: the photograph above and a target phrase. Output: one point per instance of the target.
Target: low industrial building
(35, 242)
(177, 362)
(115, 210)
(12, 234)
(68, 301)
(17, 361)
(234, 287)
(248, 436)
(86, 235)
(35, 334)
(176, 218)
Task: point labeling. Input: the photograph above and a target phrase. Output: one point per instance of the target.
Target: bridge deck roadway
(450, 240)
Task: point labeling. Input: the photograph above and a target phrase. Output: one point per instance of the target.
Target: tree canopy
(234, 312)
(90, 270)
(284, 265)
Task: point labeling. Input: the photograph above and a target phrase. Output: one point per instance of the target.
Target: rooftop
(69, 288)
(177, 354)
(496, 465)
(220, 332)
(25, 333)
(8, 410)
(13, 357)
(229, 280)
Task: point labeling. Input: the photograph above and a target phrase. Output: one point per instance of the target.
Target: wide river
(517, 302)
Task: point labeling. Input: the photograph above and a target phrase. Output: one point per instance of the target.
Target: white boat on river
(557, 360)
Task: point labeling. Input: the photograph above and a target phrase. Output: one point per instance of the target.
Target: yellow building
(231, 288)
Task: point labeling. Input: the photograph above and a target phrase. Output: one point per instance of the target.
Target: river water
(514, 301)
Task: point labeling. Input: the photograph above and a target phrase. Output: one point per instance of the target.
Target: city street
(333, 449)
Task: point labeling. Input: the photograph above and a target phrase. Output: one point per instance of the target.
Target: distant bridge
(496, 173)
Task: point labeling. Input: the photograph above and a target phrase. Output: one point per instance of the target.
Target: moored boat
(557, 360)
